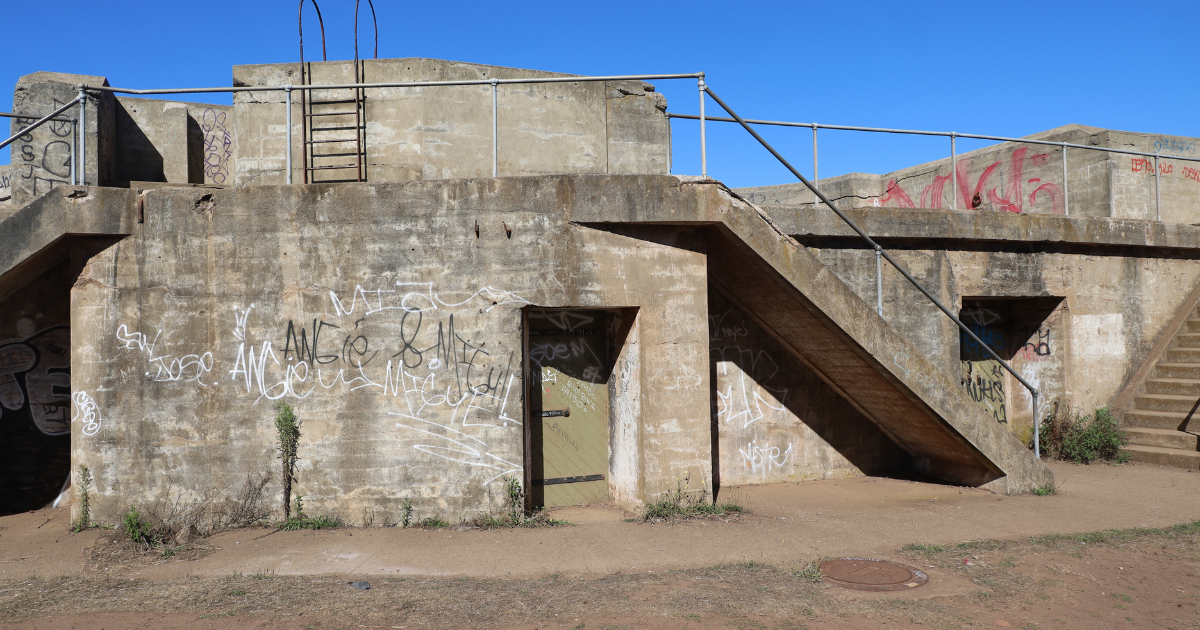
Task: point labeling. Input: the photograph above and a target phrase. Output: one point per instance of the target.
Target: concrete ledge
(32, 238)
(984, 226)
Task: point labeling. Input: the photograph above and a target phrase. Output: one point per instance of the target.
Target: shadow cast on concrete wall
(138, 159)
(773, 419)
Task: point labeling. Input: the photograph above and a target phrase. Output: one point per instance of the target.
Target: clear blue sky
(1010, 68)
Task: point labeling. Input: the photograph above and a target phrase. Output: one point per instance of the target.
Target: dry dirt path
(611, 574)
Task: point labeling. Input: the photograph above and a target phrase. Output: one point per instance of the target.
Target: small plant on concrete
(434, 522)
(516, 500)
(287, 428)
(300, 520)
(406, 512)
(85, 499)
(686, 503)
(1082, 439)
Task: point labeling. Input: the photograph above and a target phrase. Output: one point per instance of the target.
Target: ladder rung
(328, 141)
(333, 114)
(317, 155)
(337, 181)
(329, 168)
(348, 100)
(336, 128)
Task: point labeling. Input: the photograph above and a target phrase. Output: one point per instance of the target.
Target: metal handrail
(396, 84)
(41, 121)
(946, 134)
(879, 251)
(33, 117)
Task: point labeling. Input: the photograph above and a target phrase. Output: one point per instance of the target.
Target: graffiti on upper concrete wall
(35, 378)
(42, 157)
(1012, 198)
(218, 145)
(1175, 147)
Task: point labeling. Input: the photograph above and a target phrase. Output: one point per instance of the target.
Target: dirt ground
(1022, 562)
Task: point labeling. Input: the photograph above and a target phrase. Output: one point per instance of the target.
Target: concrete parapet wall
(446, 132)
(1028, 178)
(41, 159)
(175, 142)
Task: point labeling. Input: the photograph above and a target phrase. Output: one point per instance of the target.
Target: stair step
(1166, 402)
(1155, 419)
(1183, 355)
(1162, 438)
(1176, 386)
(1164, 456)
(1187, 340)
(1177, 370)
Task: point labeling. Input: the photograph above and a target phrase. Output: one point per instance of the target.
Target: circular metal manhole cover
(866, 574)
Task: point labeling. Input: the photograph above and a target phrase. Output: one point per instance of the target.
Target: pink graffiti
(1012, 199)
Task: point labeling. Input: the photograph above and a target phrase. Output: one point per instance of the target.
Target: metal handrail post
(82, 137)
(1157, 191)
(287, 93)
(495, 130)
(870, 241)
(953, 174)
(74, 171)
(703, 145)
(1037, 426)
(816, 176)
(1066, 197)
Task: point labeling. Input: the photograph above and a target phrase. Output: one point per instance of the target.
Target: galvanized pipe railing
(76, 173)
(953, 153)
(494, 83)
(879, 251)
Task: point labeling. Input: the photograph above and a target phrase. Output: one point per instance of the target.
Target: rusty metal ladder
(327, 130)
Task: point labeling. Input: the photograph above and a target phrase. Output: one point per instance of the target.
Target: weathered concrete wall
(776, 420)
(1120, 284)
(397, 340)
(446, 132)
(1028, 178)
(170, 141)
(41, 158)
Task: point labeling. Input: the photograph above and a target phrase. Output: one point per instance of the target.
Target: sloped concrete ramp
(826, 326)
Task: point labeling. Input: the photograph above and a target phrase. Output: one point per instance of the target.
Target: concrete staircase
(814, 316)
(1157, 421)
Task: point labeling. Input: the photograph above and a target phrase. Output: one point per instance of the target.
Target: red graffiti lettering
(1013, 199)
(896, 192)
(1191, 173)
(1141, 164)
(1166, 169)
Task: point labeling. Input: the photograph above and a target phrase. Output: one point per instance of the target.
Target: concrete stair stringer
(40, 234)
(803, 304)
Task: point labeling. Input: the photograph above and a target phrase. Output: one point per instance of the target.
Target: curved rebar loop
(373, 21)
(300, 22)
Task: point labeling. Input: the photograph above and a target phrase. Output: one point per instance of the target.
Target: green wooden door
(569, 413)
